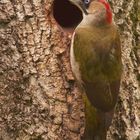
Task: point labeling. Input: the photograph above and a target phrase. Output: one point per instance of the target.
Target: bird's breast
(74, 63)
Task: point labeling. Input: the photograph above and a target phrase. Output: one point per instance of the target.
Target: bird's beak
(80, 5)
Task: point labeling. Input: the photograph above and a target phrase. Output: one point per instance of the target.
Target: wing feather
(99, 66)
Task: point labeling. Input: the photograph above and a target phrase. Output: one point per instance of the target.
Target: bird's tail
(96, 123)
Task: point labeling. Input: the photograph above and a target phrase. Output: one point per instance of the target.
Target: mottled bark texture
(38, 96)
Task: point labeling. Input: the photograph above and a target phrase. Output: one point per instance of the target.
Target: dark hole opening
(66, 14)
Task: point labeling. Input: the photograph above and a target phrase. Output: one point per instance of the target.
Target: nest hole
(67, 15)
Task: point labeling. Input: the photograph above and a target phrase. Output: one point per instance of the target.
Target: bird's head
(95, 12)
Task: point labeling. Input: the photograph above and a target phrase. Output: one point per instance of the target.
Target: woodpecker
(95, 57)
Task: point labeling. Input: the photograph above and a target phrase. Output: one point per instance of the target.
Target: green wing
(99, 58)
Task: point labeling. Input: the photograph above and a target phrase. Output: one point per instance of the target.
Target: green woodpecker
(96, 64)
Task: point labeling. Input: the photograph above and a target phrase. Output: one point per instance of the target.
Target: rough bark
(38, 96)
(127, 118)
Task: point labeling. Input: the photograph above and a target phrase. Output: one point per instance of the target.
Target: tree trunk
(38, 96)
(126, 123)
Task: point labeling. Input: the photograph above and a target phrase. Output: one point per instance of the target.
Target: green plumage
(96, 64)
(98, 54)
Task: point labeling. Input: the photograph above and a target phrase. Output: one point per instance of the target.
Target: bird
(96, 62)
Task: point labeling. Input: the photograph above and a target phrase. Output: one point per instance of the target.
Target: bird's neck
(94, 20)
(98, 15)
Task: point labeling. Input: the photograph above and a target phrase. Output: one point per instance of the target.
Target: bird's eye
(86, 1)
